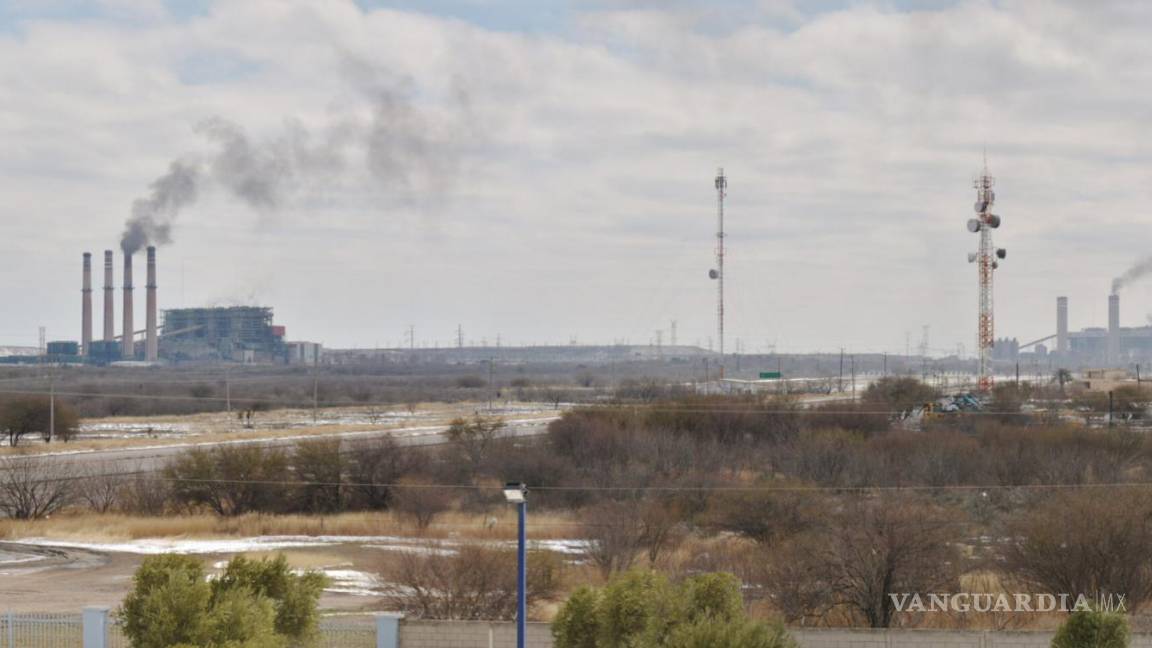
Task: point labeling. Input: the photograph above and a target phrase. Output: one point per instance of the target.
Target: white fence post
(387, 630)
(95, 627)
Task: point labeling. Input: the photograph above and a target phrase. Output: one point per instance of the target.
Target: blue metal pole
(522, 577)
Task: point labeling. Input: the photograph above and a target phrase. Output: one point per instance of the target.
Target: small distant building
(1102, 380)
(304, 353)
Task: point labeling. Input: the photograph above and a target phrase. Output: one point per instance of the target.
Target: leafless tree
(319, 466)
(871, 548)
(616, 534)
(34, 487)
(473, 437)
(422, 502)
(1088, 542)
(375, 466)
(99, 489)
(145, 493)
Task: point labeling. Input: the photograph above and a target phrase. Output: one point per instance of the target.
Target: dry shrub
(469, 583)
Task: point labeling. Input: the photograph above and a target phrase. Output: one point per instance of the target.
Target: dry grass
(90, 527)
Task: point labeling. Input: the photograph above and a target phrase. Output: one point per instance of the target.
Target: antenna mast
(987, 260)
(718, 272)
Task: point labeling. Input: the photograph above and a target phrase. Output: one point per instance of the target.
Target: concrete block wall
(481, 634)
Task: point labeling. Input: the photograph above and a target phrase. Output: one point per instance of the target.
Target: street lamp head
(515, 492)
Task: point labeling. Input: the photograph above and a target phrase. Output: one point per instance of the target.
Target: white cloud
(581, 203)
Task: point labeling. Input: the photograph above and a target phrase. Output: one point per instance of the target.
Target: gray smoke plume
(1138, 271)
(151, 220)
(406, 151)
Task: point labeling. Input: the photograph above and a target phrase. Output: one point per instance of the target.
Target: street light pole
(517, 493)
(522, 575)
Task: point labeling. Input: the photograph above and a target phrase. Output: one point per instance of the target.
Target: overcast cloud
(569, 192)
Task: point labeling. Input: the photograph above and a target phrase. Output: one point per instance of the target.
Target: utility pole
(315, 395)
(853, 378)
(840, 376)
(460, 336)
(51, 402)
(491, 384)
(227, 391)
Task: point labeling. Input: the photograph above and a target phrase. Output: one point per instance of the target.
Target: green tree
(708, 632)
(168, 604)
(293, 597)
(577, 624)
(254, 604)
(1092, 629)
(642, 609)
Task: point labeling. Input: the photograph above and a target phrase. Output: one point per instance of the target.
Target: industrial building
(243, 334)
(1110, 346)
(235, 334)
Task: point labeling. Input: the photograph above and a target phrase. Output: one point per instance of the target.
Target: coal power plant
(1112, 345)
(241, 334)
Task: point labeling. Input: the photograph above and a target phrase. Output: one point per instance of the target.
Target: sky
(541, 172)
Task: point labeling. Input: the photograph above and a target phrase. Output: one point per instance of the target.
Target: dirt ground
(68, 580)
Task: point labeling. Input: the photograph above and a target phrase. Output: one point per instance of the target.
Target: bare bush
(868, 551)
(34, 487)
(468, 583)
(422, 502)
(1086, 542)
(375, 466)
(99, 490)
(144, 493)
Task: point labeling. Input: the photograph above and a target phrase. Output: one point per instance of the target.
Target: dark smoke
(406, 151)
(151, 220)
(1138, 271)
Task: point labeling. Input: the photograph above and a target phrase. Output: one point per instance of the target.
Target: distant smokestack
(1062, 324)
(109, 299)
(86, 307)
(127, 342)
(1113, 328)
(151, 349)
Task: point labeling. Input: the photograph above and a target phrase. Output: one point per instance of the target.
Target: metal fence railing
(26, 630)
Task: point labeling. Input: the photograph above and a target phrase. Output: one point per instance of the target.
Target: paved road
(153, 458)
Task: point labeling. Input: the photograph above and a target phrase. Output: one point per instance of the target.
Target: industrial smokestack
(1113, 328)
(109, 300)
(1062, 325)
(128, 341)
(86, 307)
(151, 348)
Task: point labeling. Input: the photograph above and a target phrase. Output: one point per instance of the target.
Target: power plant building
(235, 334)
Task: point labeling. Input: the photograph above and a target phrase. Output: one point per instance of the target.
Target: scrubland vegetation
(820, 512)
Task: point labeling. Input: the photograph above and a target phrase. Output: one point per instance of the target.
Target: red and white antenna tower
(987, 259)
(717, 273)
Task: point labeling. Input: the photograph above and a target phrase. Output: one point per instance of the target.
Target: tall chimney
(128, 341)
(109, 299)
(151, 348)
(1062, 325)
(1113, 328)
(86, 307)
